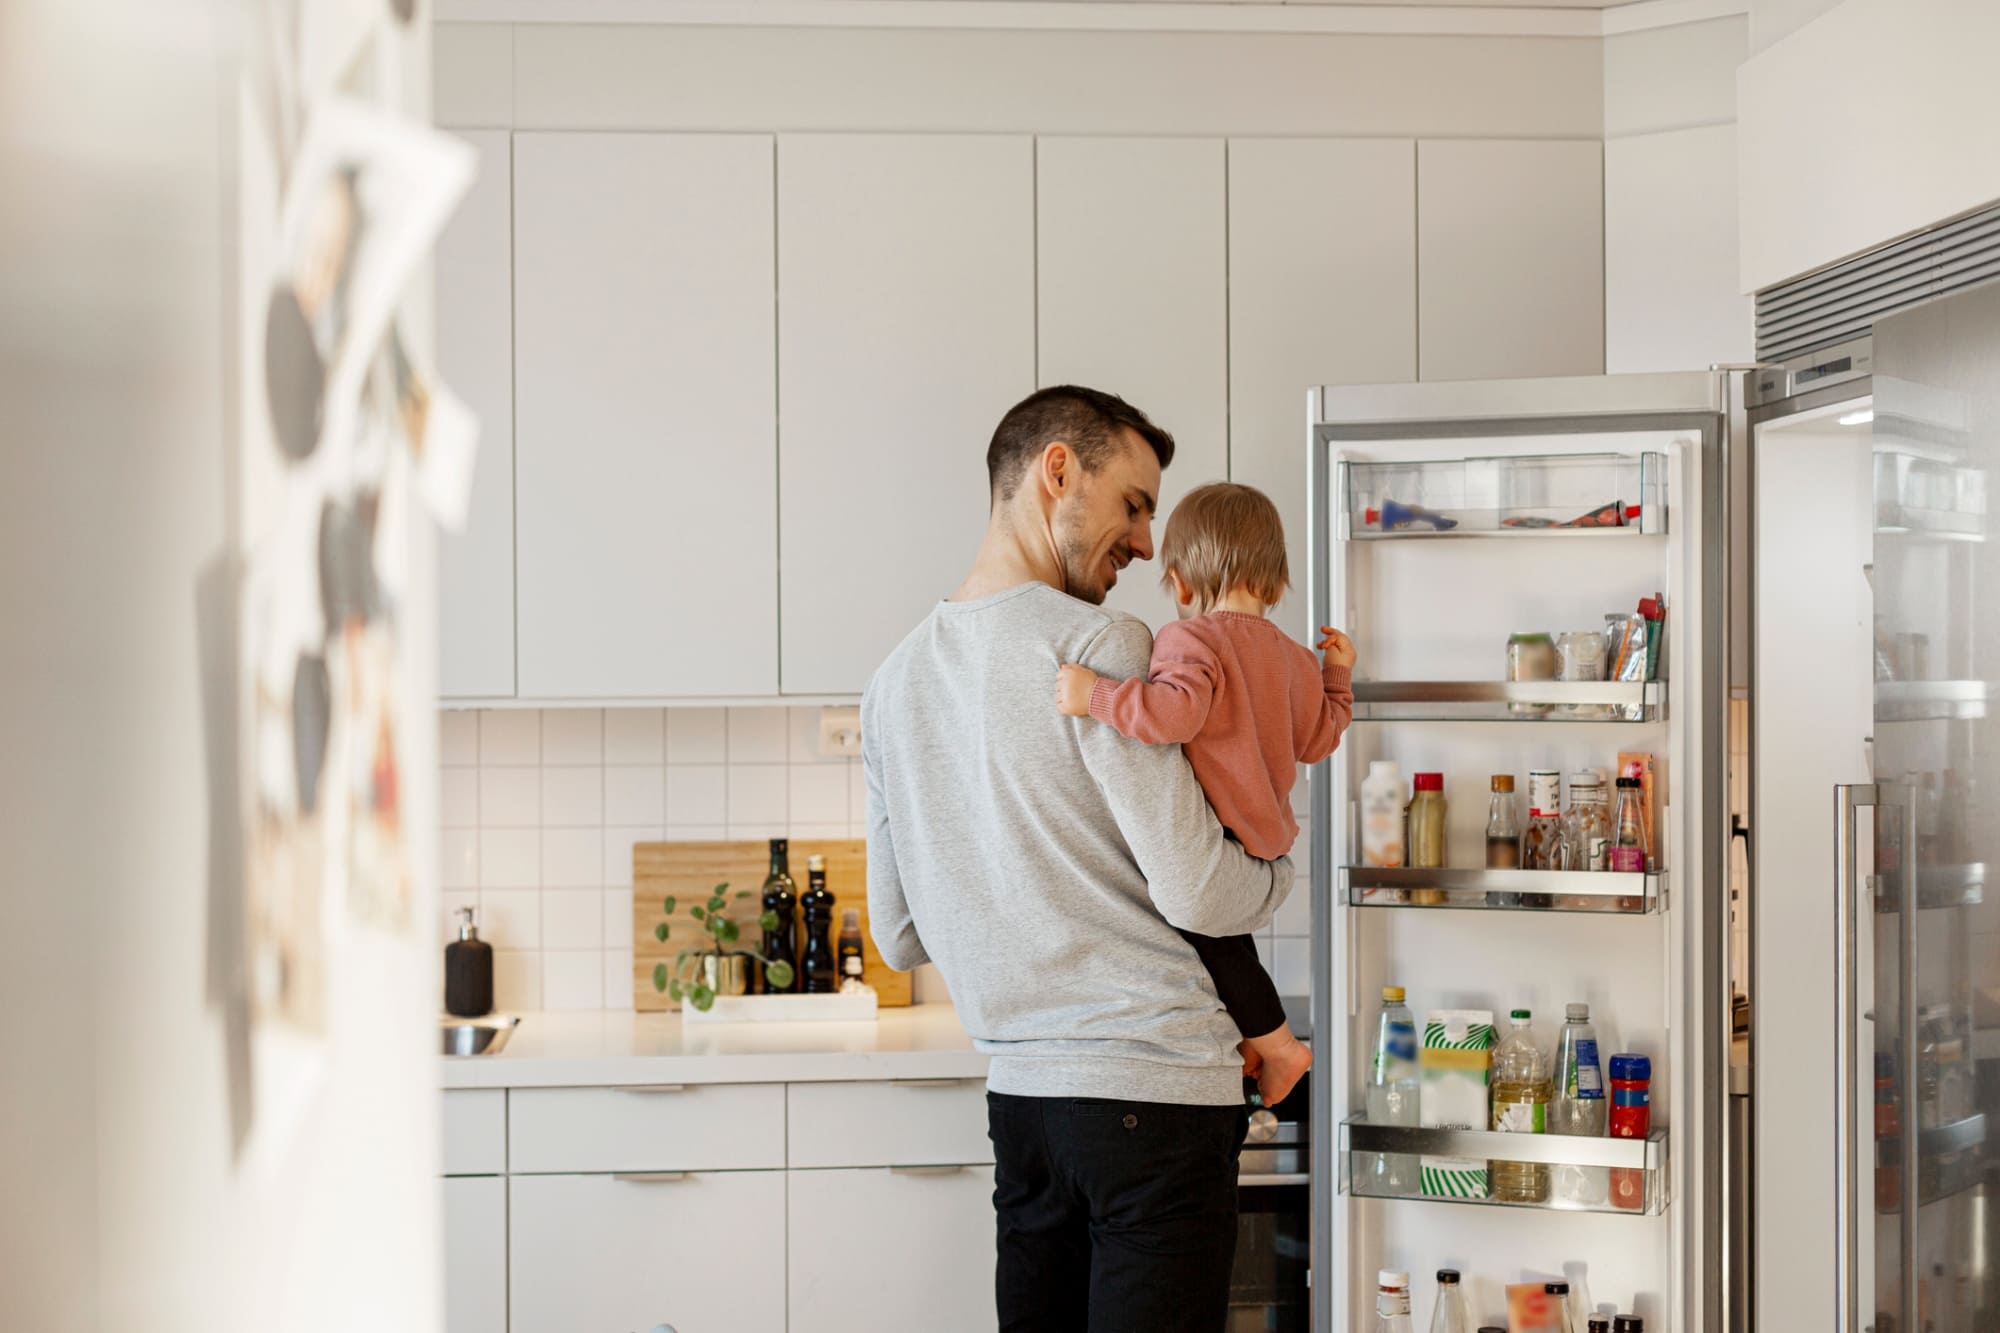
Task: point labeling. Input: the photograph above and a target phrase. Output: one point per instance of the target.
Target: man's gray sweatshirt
(1042, 862)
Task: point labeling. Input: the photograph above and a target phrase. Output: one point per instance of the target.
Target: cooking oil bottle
(1522, 1091)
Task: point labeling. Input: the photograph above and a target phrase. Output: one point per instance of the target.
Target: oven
(1268, 1288)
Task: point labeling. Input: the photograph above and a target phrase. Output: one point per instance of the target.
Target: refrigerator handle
(1847, 799)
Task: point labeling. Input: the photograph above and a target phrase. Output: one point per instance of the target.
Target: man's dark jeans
(1114, 1217)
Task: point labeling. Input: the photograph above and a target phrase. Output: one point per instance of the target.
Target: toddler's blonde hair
(1225, 536)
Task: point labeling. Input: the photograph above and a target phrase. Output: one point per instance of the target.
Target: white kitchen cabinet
(906, 288)
(475, 1132)
(893, 1250)
(699, 1127)
(646, 426)
(912, 1122)
(1510, 258)
(475, 358)
(1322, 290)
(475, 1255)
(1132, 283)
(605, 1254)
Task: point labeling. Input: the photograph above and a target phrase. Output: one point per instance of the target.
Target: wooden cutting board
(688, 871)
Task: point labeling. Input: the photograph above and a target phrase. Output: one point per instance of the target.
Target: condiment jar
(1531, 656)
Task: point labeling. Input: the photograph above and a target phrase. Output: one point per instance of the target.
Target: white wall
(1876, 120)
(1771, 21)
(129, 1197)
(1670, 263)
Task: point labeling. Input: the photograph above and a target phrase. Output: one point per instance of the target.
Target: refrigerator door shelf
(1519, 495)
(1938, 887)
(1647, 1158)
(1951, 1159)
(1929, 700)
(1509, 701)
(1505, 890)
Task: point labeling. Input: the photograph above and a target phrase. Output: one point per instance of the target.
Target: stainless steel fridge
(1874, 985)
(1443, 520)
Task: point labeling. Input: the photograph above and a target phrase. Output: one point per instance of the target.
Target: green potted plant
(698, 971)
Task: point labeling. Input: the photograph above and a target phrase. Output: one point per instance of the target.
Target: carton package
(1456, 1062)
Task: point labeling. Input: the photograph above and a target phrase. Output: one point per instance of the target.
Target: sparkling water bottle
(1392, 1093)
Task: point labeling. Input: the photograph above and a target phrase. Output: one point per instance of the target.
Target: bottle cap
(1586, 777)
(1503, 782)
(1520, 1014)
(1599, 1324)
(1448, 1277)
(1578, 1012)
(815, 862)
(1398, 1278)
(1652, 608)
(1628, 1323)
(1555, 1288)
(851, 919)
(1430, 782)
(1631, 1068)
(1371, 516)
(1393, 994)
(1491, 1328)
(781, 844)
(1384, 768)
(1629, 784)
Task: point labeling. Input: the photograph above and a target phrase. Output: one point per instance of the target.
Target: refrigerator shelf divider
(1531, 890)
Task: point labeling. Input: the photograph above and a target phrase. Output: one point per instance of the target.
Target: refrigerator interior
(1440, 607)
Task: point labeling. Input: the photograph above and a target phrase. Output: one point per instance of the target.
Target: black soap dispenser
(468, 971)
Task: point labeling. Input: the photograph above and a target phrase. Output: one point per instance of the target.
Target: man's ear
(1057, 469)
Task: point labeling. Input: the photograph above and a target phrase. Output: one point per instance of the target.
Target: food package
(1627, 656)
(1456, 1062)
(1530, 1309)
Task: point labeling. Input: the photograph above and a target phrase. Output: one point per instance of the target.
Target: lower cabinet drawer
(475, 1132)
(915, 1123)
(475, 1255)
(612, 1254)
(891, 1250)
(699, 1127)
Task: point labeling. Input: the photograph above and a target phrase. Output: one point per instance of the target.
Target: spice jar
(1531, 656)
(1631, 1118)
(1427, 812)
(1580, 657)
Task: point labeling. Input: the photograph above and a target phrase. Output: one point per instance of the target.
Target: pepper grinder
(468, 972)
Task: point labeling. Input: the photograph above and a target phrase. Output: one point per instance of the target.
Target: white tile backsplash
(697, 736)
(635, 794)
(635, 736)
(759, 735)
(573, 736)
(541, 809)
(510, 797)
(510, 736)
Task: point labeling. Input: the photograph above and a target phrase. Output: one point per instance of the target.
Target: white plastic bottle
(1394, 1086)
(1392, 1302)
(1382, 815)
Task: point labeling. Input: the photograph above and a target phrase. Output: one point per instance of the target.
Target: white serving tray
(786, 1009)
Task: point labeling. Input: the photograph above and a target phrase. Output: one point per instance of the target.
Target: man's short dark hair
(1089, 421)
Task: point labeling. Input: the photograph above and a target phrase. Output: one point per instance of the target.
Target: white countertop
(611, 1048)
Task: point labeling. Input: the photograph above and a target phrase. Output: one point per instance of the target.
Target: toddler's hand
(1073, 687)
(1339, 649)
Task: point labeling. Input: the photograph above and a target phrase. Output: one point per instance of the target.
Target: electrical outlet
(840, 732)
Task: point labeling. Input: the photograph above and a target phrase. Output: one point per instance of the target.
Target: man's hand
(1339, 649)
(1073, 687)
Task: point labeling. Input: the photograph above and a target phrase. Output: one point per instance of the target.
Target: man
(1044, 864)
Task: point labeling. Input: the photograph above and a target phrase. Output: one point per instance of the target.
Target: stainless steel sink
(478, 1036)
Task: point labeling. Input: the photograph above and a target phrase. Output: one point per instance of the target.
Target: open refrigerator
(1431, 609)
(1875, 980)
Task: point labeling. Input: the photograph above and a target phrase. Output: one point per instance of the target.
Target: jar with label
(1587, 828)
(1427, 841)
(1580, 657)
(1531, 656)
(1541, 841)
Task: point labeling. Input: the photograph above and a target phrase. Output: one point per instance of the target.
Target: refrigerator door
(1936, 657)
(1443, 519)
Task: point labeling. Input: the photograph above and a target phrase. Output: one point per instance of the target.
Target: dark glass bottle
(781, 896)
(468, 972)
(851, 963)
(820, 972)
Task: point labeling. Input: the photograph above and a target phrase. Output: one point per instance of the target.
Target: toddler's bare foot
(1282, 1061)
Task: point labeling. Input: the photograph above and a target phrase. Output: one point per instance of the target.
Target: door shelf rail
(1506, 890)
(1509, 701)
(1931, 700)
(1585, 1174)
(1938, 888)
(1516, 495)
(1952, 1159)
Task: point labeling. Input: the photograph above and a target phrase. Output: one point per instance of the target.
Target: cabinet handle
(652, 1088)
(925, 1170)
(649, 1177)
(928, 1082)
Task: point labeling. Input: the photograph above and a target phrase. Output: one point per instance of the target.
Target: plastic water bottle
(1579, 1107)
(1393, 1091)
(1450, 1314)
(1392, 1302)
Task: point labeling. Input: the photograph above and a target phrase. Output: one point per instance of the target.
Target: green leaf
(667, 905)
(768, 921)
(743, 893)
(715, 925)
(702, 997)
(779, 975)
(722, 887)
(660, 977)
(697, 914)
(718, 903)
(674, 990)
(729, 932)
(660, 932)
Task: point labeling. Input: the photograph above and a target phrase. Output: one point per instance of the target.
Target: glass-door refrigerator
(1533, 574)
(1875, 990)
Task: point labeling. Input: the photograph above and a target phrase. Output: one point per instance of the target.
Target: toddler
(1249, 705)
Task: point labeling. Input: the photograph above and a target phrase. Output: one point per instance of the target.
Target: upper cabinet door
(647, 415)
(475, 357)
(1133, 292)
(907, 328)
(1510, 258)
(1322, 290)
